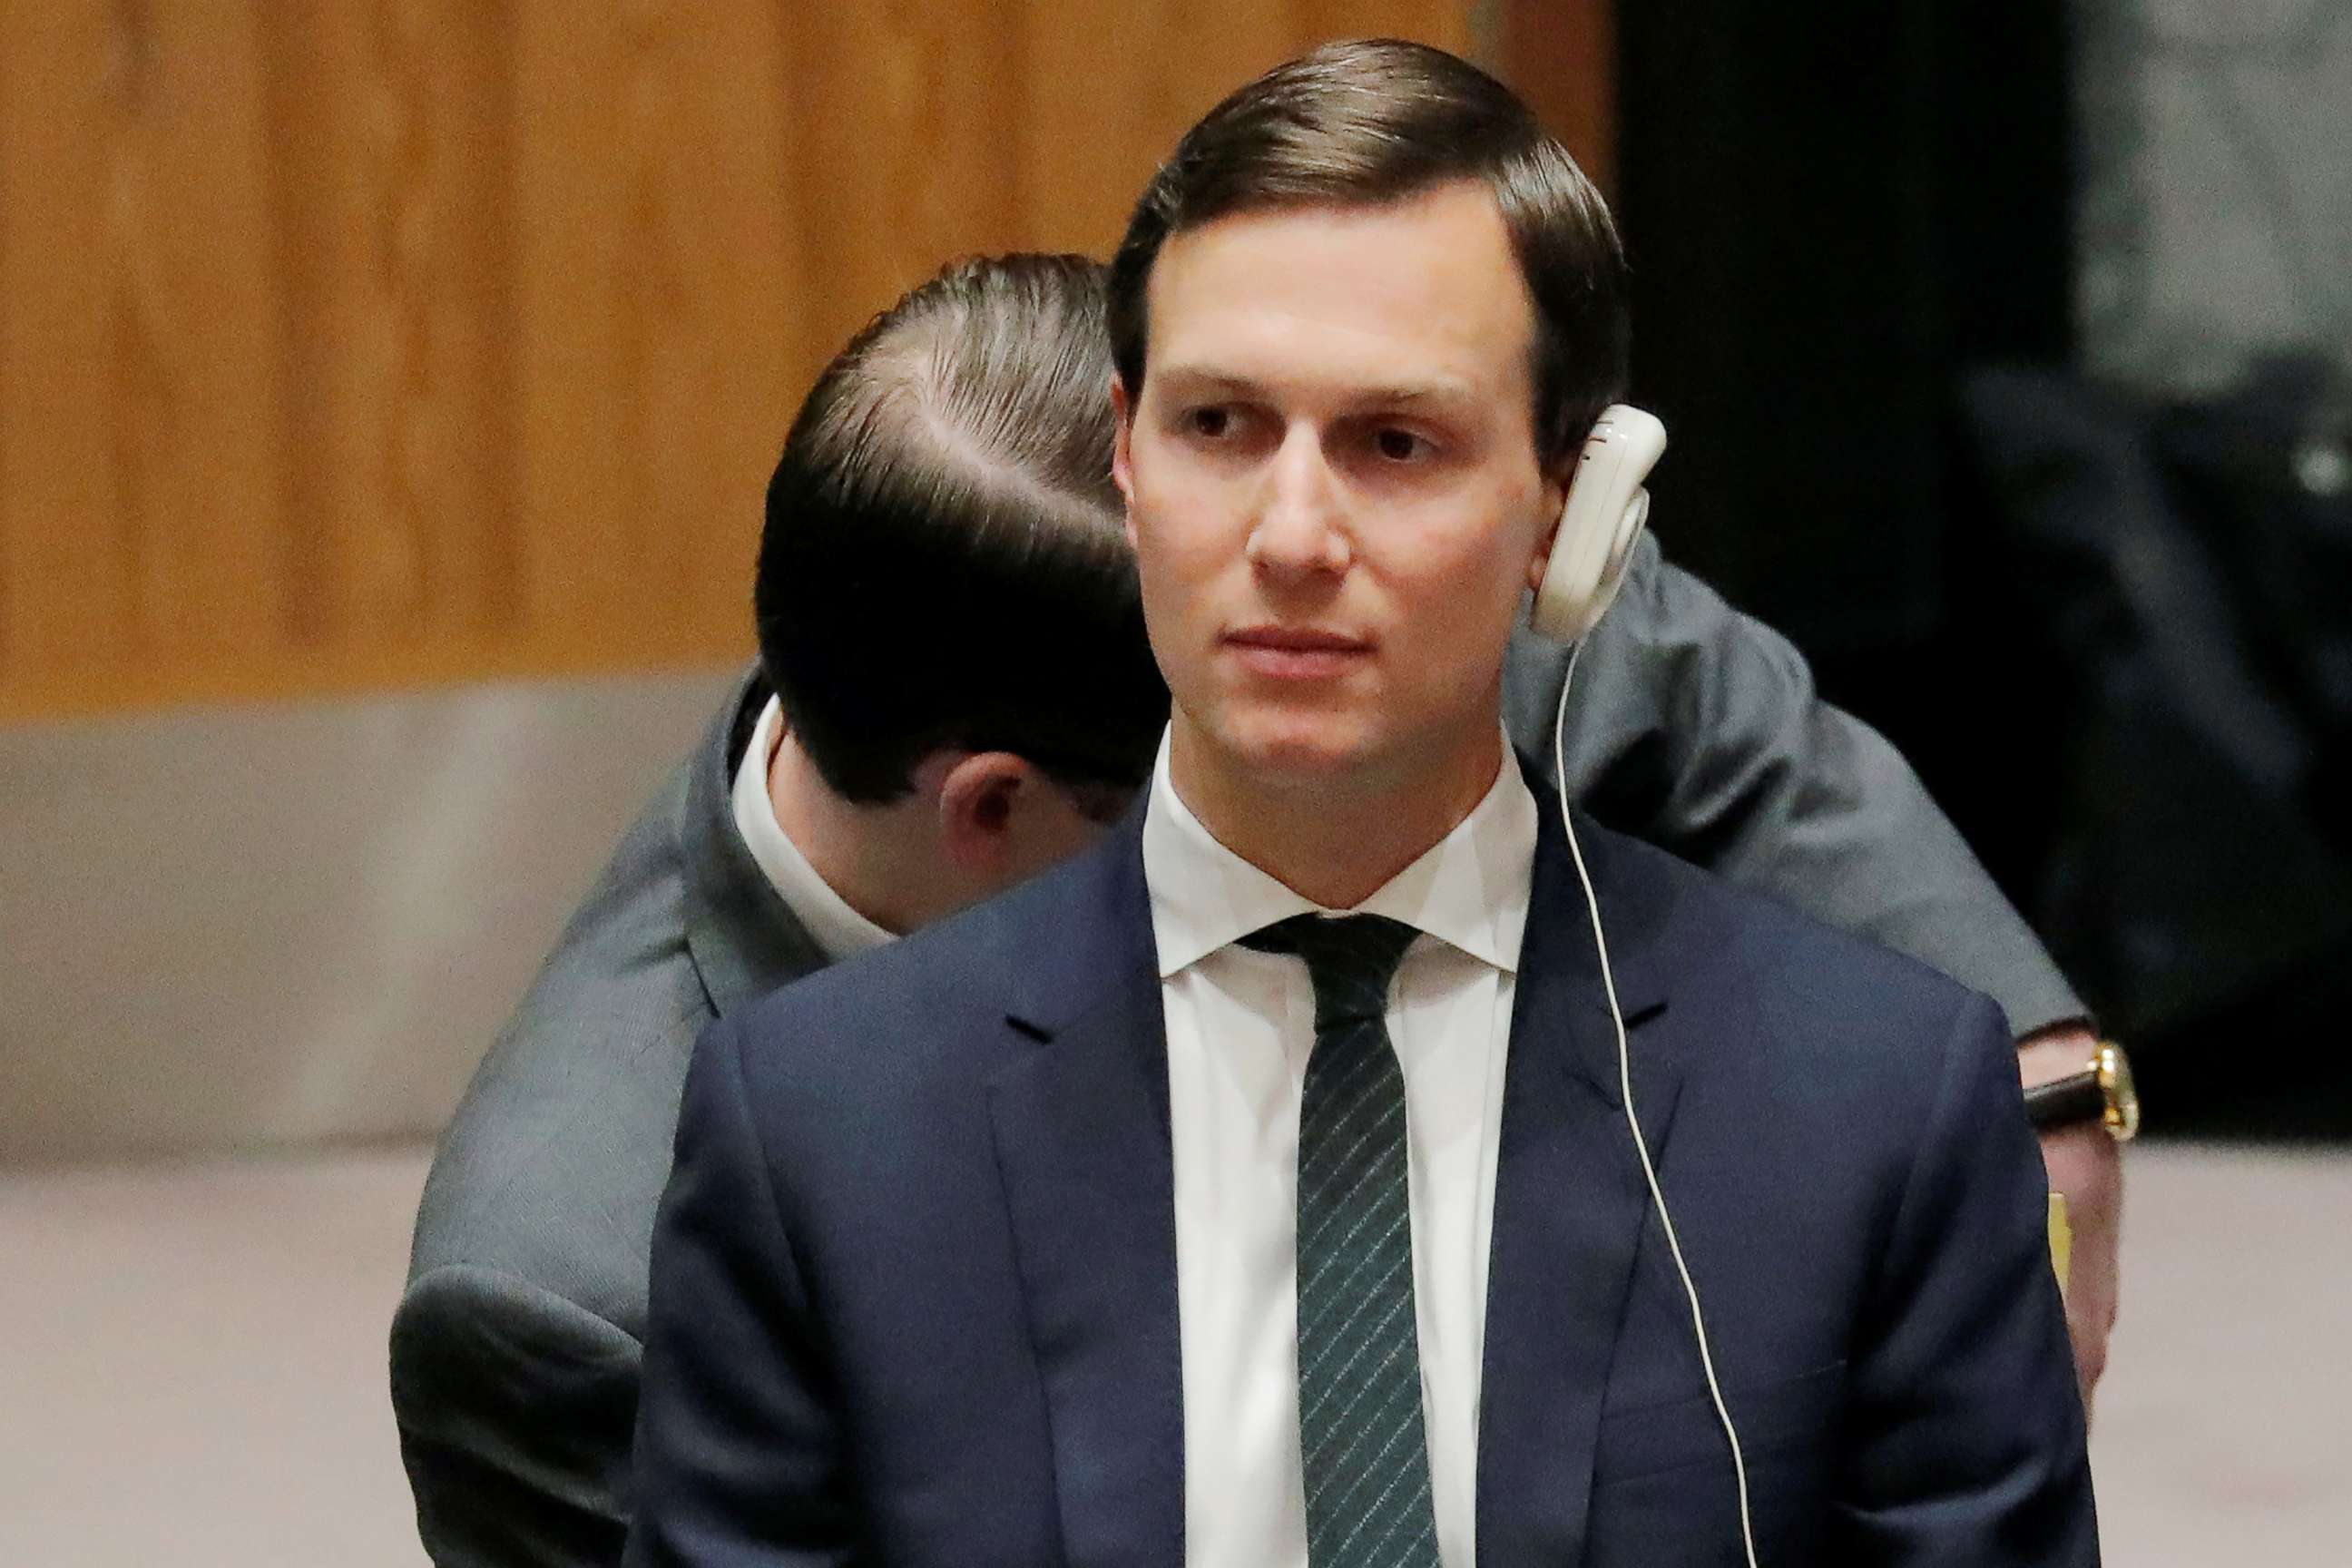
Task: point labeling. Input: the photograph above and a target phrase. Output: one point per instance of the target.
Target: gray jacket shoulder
(551, 1168)
(1698, 728)
(555, 1164)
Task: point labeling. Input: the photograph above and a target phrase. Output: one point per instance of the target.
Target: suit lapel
(1569, 1204)
(1083, 1149)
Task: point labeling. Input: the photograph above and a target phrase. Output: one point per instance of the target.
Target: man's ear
(1122, 468)
(978, 801)
(1554, 502)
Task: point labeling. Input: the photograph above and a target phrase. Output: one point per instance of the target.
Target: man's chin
(1291, 754)
(1342, 755)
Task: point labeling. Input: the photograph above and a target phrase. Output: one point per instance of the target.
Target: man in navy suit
(1258, 1187)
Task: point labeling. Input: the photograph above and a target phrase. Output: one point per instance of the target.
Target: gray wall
(243, 929)
(2216, 217)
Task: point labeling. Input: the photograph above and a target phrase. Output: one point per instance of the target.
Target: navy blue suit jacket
(914, 1281)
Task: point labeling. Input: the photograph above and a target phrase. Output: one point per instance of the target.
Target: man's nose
(1297, 527)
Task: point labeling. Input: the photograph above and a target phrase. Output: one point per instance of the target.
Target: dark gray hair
(944, 563)
(1377, 121)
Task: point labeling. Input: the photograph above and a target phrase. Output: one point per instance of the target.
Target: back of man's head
(943, 564)
(1369, 123)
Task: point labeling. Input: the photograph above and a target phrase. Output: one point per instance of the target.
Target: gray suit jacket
(515, 1350)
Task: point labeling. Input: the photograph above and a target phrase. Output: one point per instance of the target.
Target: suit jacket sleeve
(1966, 1440)
(1698, 728)
(739, 1445)
(515, 1408)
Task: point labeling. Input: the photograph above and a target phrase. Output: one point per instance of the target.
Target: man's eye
(1400, 446)
(1209, 423)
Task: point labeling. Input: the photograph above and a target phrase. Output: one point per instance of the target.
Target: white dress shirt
(836, 929)
(1241, 1025)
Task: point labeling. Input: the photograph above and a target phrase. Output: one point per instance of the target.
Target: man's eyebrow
(1197, 379)
(1402, 396)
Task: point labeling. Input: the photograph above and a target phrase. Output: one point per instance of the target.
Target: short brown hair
(1377, 121)
(944, 562)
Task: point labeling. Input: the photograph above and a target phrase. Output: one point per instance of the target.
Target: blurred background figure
(386, 398)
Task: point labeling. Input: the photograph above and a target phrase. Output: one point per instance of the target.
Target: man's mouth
(1296, 653)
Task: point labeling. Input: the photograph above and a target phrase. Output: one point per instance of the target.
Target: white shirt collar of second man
(838, 929)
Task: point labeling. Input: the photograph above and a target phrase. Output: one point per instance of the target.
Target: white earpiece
(1599, 522)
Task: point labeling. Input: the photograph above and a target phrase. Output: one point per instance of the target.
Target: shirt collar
(834, 927)
(1469, 889)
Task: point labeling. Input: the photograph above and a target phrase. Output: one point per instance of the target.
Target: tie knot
(1351, 961)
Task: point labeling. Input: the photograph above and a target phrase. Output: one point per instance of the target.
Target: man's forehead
(1422, 297)
(1461, 213)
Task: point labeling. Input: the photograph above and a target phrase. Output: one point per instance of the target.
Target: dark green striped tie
(1360, 1441)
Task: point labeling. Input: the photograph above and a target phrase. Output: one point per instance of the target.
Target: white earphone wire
(1625, 1085)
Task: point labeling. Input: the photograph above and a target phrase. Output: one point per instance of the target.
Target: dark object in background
(2183, 577)
(1830, 215)
(1833, 219)
(2267, 471)
(1830, 218)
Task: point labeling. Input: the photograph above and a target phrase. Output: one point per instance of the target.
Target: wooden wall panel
(141, 442)
(901, 162)
(1561, 56)
(390, 220)
(57, 470)
(352, 344)
(656, 285)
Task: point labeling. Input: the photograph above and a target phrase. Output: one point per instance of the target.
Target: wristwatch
(2100, 1092)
